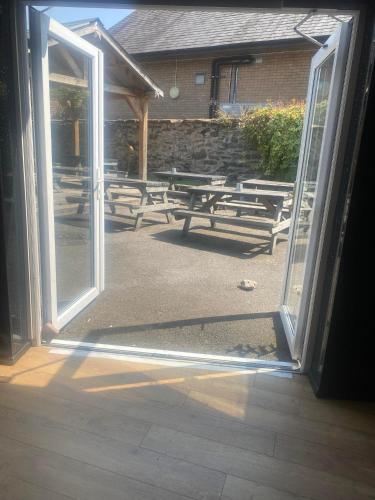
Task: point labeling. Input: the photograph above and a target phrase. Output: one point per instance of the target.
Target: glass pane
(70, 104)
(306, 201)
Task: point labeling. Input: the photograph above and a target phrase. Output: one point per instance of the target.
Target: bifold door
(318, 139)
(68, 105)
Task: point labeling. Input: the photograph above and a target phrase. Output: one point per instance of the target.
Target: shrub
(72, 102)
(275, 131)
(225, 118)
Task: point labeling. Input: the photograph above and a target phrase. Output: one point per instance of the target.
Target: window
(200, 78)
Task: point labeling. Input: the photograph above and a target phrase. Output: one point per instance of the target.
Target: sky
(109, 17)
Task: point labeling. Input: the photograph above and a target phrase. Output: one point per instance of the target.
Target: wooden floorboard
(78, 426)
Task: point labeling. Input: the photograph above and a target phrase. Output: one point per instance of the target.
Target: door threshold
(187, 357)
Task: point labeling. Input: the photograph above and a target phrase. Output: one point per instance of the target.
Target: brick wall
(192, 101)
(281, 76)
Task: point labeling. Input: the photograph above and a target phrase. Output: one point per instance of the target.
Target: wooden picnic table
(265, 184)
(272, 201)
(153, 197)
(212, 179)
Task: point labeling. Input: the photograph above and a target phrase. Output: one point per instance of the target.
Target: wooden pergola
(123, 79)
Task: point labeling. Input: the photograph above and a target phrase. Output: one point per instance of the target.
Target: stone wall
(201, 145)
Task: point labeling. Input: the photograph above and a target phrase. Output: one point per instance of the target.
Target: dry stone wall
(196, 145)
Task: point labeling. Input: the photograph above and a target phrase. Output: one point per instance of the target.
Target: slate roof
(148, 31)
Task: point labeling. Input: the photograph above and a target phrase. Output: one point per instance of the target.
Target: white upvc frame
(41, 27)
(338, 44)
(330, 218)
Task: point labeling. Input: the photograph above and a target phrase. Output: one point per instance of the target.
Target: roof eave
(104, 34)
(161, 54)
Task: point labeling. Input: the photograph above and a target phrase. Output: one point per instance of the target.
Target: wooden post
(139, 106)
(76, 145)
(143, 137)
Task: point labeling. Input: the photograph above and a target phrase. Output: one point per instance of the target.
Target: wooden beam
(69, 59)
(143, 138)
(120, 90)
(68, 80)
(80, 82)
(76, 142)
(135, 105)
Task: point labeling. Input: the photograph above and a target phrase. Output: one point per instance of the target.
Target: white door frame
(32, 230)
(41, 27)
(339, 43)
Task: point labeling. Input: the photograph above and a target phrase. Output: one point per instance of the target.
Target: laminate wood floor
(80, 426)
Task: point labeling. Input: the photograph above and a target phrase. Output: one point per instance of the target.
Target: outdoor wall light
(174, 92)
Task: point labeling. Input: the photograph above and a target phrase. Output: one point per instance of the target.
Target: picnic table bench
(272, 201)
(251, 207)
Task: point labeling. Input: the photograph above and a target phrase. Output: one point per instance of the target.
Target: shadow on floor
(214, 243)
(120, 223)
(256, 335)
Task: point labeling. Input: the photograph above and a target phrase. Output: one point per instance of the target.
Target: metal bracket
(307, 37)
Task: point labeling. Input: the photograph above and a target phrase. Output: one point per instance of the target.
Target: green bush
(72, 102)
(275, 131)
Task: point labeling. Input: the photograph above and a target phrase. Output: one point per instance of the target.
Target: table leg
(278, 211)
(211, 202)
(81, 206)
(108, 196)
(187, 222)
(211, 209)
(278, 208)
(168, 213)
(210, 206)
(139, 217)
(186, 227)
(273, 243)
(212, 222)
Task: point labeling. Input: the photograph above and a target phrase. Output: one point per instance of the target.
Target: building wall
(280, 76)
(192, 101)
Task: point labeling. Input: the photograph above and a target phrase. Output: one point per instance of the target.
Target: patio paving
(168, 292)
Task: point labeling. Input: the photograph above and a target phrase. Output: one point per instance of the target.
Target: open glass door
(68, 103)
(316, 154)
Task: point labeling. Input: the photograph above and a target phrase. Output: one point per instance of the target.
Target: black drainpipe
(215, 77)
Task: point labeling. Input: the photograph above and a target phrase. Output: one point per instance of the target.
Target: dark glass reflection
(13, 331)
